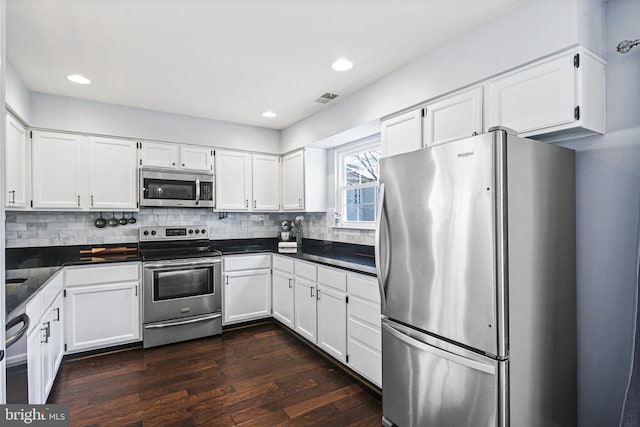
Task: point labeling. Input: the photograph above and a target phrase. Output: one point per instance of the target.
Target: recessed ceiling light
(269, 114)
(342, 64)
(78, 78)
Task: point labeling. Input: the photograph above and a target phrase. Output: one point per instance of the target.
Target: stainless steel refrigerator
(476, 264)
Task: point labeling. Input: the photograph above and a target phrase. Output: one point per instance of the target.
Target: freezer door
(427, 386)
(436, 249)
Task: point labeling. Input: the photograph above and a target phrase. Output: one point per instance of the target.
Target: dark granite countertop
(38, 264)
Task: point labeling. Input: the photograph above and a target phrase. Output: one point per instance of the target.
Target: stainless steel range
(182, 279)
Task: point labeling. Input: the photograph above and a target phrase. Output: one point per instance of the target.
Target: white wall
(18, 97)
(536, 29)
(78, 115)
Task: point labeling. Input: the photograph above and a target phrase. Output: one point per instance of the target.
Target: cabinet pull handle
(311, 289)
(47, 332)
(78, 200)
(57, 319)
(318, 295)
(92, 200)
(173, 164)
(255, 204)
(136, 290)
(226, 280)
(290, 281)
(12, 201)
(183, 165)
(246, 203)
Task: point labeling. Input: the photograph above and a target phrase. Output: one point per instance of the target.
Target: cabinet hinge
(576, 60)
(65, 347)
(137, 205)
(346, 299)
(576, 112)
(64, 293)
(347, 358)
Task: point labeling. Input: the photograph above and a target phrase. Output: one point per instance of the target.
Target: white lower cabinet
(102, 306)
(247, 288)
(332, 312)
(45, 339)
(305, 309)
(283, 290)
(364, 339)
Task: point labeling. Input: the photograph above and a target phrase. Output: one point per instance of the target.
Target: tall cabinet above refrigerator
(476, 264)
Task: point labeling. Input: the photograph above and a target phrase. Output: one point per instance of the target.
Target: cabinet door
(157, 154)
(57, 171)
(196, 158)
(332, 322)
(16, 165)
(247, 295)
(402, 133)
(305, 309)
(112, 174)
(233, 180)
(293, 181)
(102, 315)
(283, 298)
(533, 98)
(266, 182)
(34, 366)
(454, 117)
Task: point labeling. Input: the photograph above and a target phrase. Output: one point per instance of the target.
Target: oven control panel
(190, 232)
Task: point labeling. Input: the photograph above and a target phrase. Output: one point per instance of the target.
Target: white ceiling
(227, 59)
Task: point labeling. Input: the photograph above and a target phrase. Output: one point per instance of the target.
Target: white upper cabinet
(112, 174)
(554, 99)
(176, 156)
(77, 172)
(17, 165)
(453, 117)
(233, 180)
(159, 155)
(196, 158)
(304, 180)
(266, 182)
(57, 171)
(401, 134)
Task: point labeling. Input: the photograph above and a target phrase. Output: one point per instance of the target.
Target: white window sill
(351, 226)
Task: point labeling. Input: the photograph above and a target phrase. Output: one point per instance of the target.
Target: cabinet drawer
(104, 274)
(364, 310)
(306, 270)
(332, 278)
(365, 334)
(247, 262)
(364, 287)
(283, 264)
(365, 361)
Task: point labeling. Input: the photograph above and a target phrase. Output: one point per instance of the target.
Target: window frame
(372, 142)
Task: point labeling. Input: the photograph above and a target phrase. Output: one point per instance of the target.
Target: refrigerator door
(427, 386)
(436, 247)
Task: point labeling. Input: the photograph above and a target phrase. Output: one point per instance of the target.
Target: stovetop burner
(166, 243)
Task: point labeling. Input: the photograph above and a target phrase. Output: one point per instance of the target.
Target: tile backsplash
(32, 228)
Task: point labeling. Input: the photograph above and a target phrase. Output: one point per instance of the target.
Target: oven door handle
(182, 322)
(179, 263)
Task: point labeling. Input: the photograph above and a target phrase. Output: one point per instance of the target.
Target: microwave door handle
(197, 191)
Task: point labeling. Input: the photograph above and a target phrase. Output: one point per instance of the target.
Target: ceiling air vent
(326, 97)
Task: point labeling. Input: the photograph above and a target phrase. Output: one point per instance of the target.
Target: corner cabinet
(17, 165)
(304, 180)
(102, 306)
(401, 133)
(246, 289)
(453, 117)
(553, 99)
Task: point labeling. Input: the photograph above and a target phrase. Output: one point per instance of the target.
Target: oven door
(181, 288)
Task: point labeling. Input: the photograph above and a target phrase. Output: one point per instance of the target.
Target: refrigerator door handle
(380, 272)
(469, 363)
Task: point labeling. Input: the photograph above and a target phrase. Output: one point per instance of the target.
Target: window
(357, 167)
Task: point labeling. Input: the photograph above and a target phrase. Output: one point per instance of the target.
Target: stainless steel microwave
(169, 188)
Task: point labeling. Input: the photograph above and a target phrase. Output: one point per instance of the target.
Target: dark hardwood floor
(260, 375)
